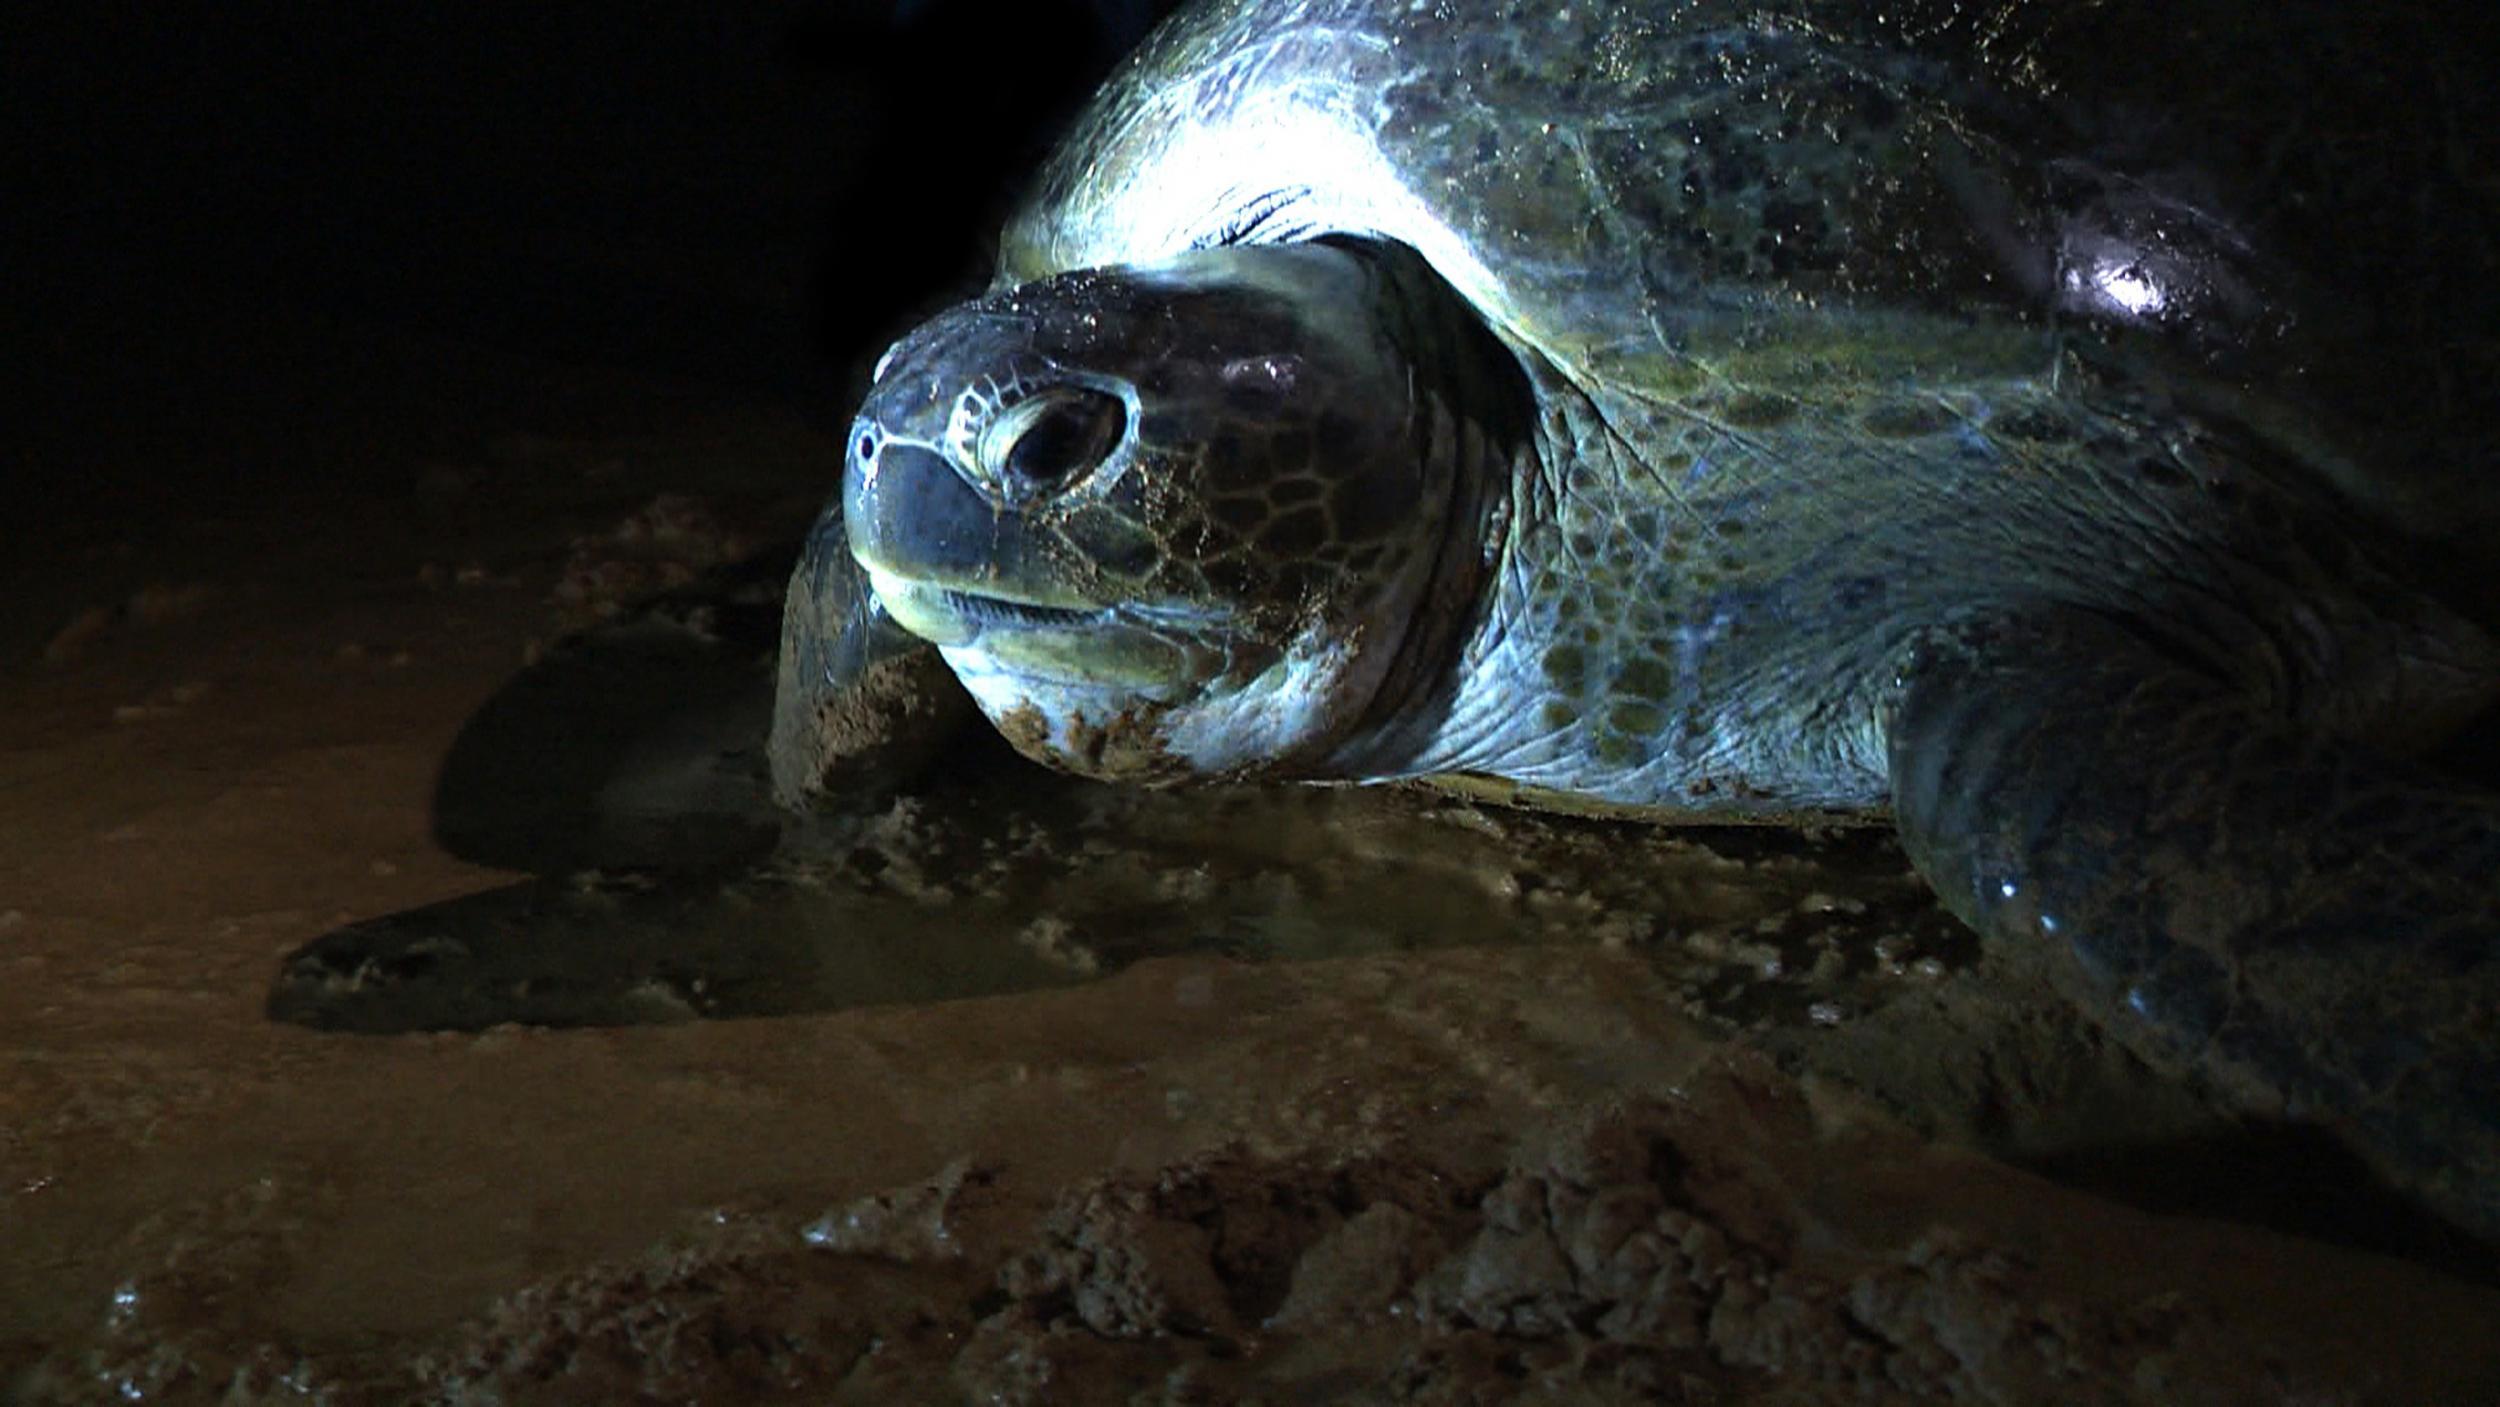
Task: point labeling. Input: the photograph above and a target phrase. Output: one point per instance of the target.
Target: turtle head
(1163, 521)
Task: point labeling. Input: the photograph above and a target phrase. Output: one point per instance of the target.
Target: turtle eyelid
(1077, 430)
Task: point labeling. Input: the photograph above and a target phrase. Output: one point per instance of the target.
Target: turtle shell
(1670, 202)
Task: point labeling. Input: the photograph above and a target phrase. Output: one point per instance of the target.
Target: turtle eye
(1055, 438)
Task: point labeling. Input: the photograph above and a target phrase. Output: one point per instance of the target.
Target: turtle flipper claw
(2314, 928)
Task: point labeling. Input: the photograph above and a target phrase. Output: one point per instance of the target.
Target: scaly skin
(2306, 922)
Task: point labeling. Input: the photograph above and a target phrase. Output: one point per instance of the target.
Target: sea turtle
(1713, 410)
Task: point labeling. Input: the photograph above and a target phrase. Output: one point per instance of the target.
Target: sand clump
(1625, 1256)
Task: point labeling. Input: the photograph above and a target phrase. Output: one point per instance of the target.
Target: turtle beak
(947, 562)
(910, 515)
(966, 575)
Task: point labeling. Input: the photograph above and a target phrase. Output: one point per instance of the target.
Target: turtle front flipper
(668, 891)
(2313, 927)
(859, 703)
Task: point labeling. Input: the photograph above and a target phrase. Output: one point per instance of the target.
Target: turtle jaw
(1157, 654)
(945, 616)
(1130, 693)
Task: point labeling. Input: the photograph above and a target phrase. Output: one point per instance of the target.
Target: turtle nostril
(1066, 436)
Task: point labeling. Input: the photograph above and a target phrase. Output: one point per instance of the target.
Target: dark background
(218, 217)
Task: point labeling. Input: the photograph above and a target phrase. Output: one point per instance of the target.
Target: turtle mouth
(946, 615)
(1131, 646)
(989, 612)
